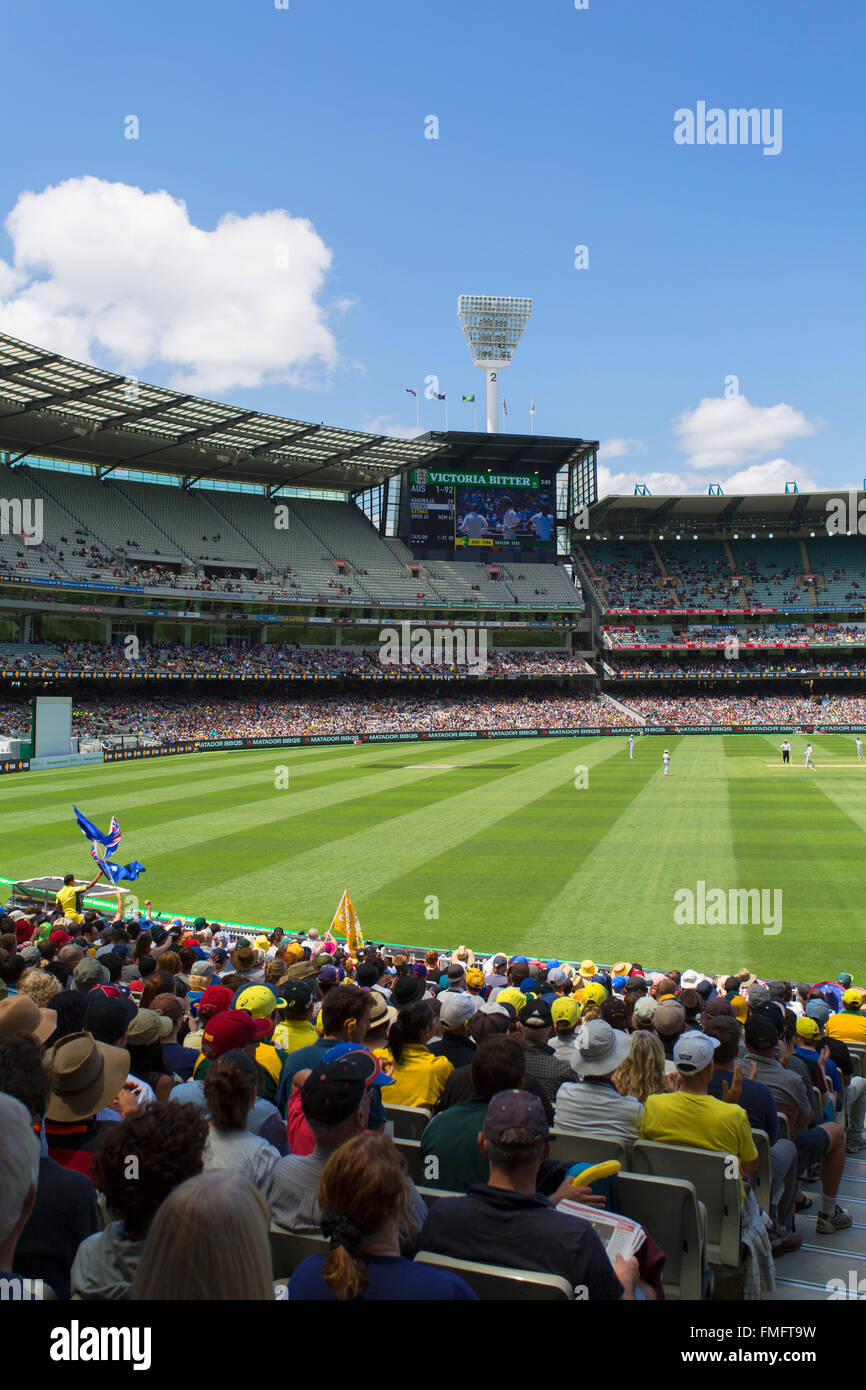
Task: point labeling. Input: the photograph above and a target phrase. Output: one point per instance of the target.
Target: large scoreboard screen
(481, 515)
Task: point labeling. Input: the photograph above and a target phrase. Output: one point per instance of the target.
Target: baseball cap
(537, 1014)
(515, 1110)
(644, 1010)
(334, 1089)
(557, 976)
(87, 973)
(259, 1000)
(565, 1013)
(298, 996)
(515, 997)
(214, 1000)
(817, 1009)
(594, 994)
(474, 978)
(717, 1008)
(341, 1049)
(500, 961)
(808, 1028)
(147, 1027)
(758, 994)
(59, 937)
(106, 1001)
(761, 1032)
(233, 1028)
(693, 1052)
(169, 1005)
(739, 1006)
(669, 1016)
(456, 1009)
(852, 998)
(845, 980)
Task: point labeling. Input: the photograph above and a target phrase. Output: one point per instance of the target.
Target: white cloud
(725, 432)
(758, 477)
(660, 484)
(616, 448)
(770, 477)
(383, 425)
(107, 270)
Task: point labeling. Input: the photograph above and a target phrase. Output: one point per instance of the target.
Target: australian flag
(102, 847)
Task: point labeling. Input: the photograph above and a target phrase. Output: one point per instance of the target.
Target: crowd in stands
(741, 709)
(758, 574)
(681, 668)
(716, 634)
(252, 1081)
(169, 719)
(274, 661)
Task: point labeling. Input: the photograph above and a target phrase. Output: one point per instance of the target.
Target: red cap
(59, 937)
(234, 1028)
(110, 991)
(215, 1000)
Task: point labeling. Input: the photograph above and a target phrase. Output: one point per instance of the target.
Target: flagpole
(475, 413)
(418, 410)
(446, 412)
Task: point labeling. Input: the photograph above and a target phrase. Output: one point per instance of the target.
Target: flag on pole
(439, 395)
(504, 407)
(346, 924)
(470, 399)
(411, 391)
(532, 407)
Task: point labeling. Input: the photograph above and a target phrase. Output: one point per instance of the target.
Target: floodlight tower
(492, 325)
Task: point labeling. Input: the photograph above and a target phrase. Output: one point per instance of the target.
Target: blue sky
(556, 130)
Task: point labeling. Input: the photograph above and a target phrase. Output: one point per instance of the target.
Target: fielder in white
(666, 759)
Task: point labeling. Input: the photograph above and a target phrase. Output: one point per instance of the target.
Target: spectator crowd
(176, 1100)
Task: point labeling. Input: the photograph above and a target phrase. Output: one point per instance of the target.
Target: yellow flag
(346, 924)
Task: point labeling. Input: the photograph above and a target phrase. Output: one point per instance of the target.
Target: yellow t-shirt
(293, 1034)
(847, 1027)
(65, 897)
(701, 1121)
(419, 1079)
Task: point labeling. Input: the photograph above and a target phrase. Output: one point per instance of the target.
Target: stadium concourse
(410, 1118)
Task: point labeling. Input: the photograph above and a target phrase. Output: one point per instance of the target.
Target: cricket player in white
(474, 525)
(666, 758)
(510, 523)
(859, 743)
(631, 745)
(807, 761)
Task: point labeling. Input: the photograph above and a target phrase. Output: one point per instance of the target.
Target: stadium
(261, 645)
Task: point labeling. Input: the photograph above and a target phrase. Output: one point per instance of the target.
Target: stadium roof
(53, 407)
(784, 510)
